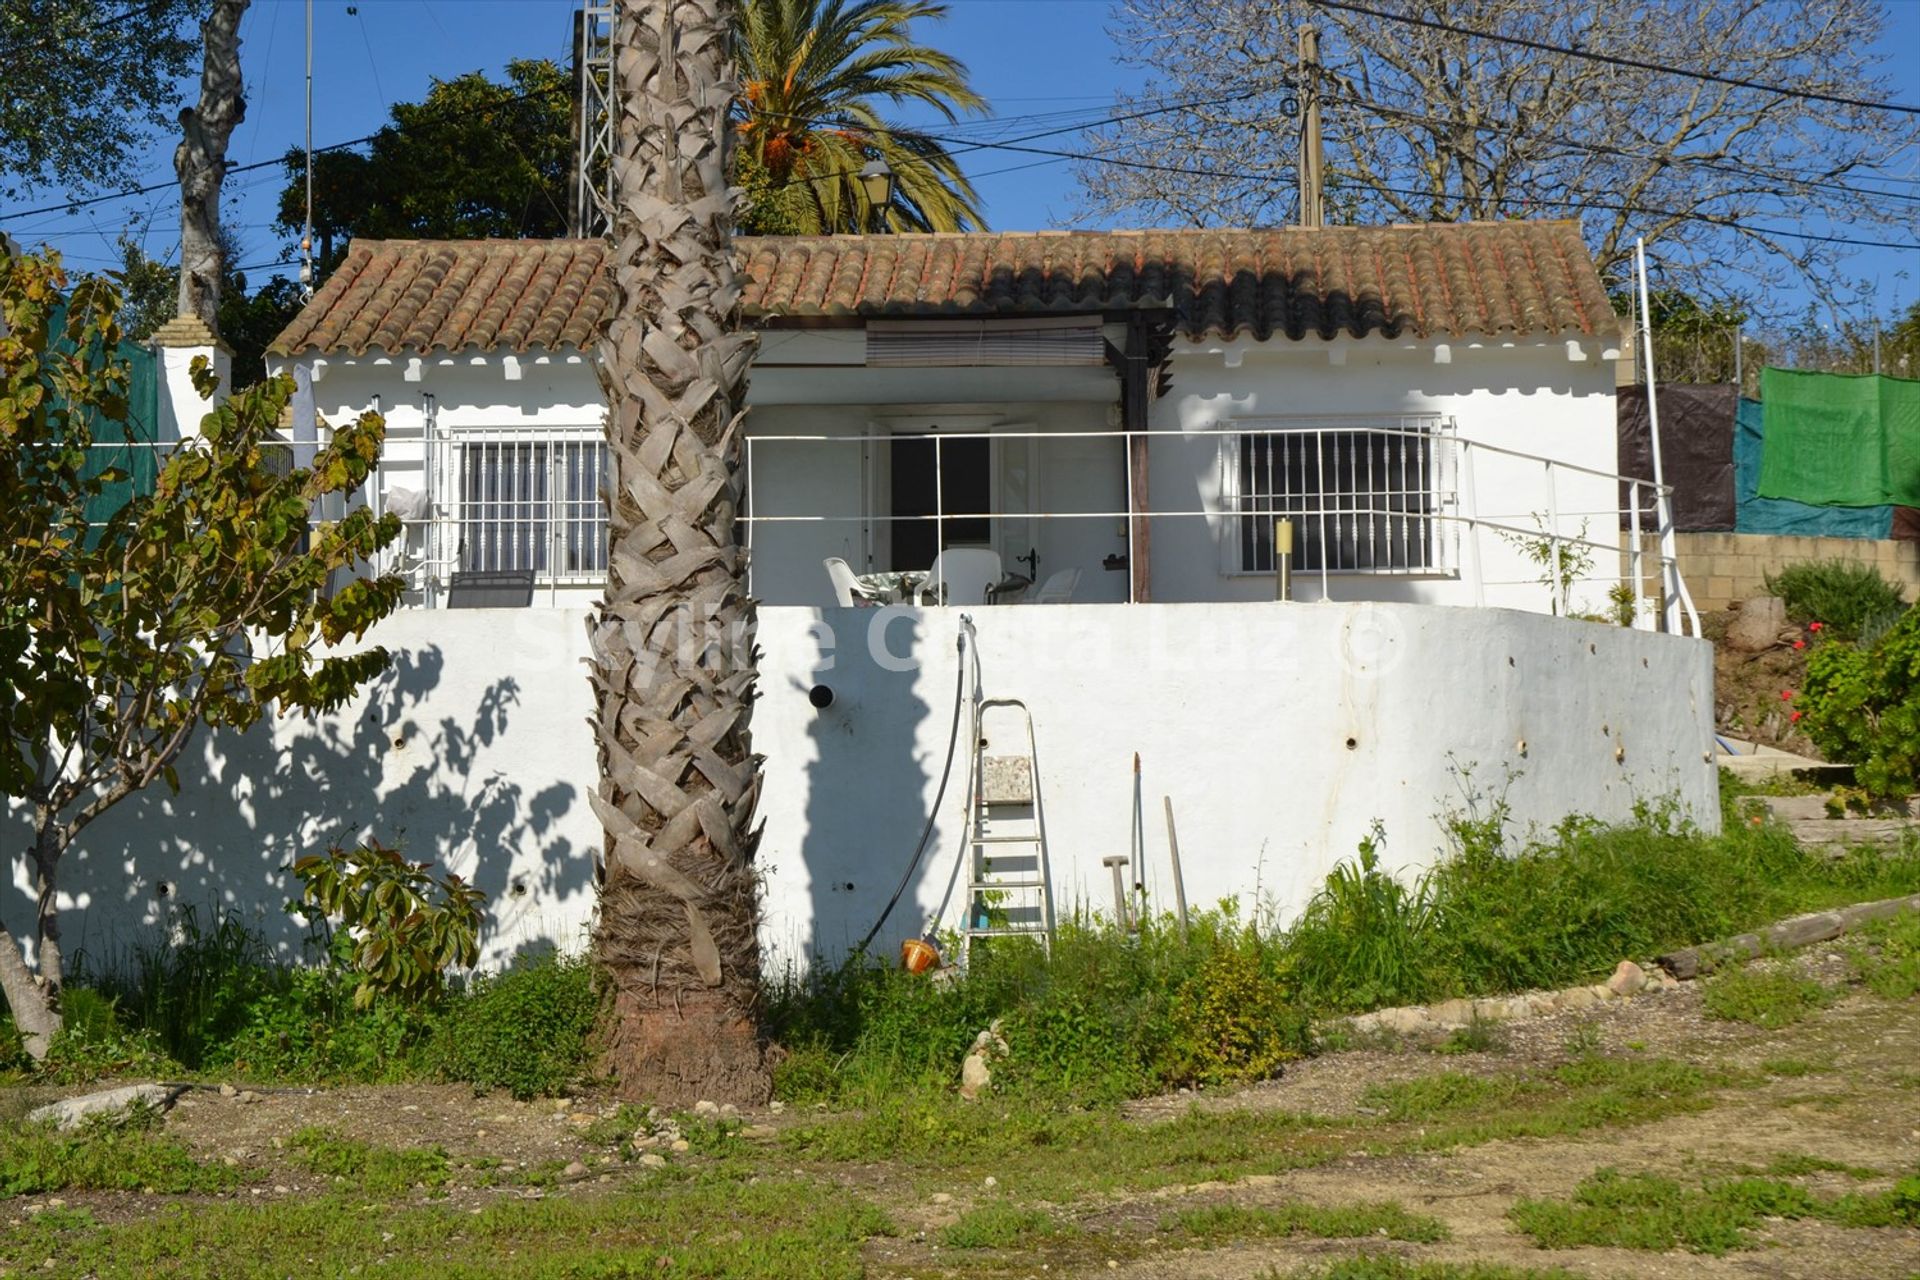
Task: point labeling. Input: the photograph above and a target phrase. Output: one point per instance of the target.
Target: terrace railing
(1405, 497)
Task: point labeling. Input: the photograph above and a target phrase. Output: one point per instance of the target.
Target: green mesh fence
(1756, 514)
(1840, 440)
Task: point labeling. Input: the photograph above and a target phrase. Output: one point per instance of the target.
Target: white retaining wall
(1280, 731)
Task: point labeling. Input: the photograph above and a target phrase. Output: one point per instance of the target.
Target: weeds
(196, 986)
(715, 1227)
(1478, 1036)
(1367, 939)
(367, 1169)
(528, 1030)
(1799, 1166)
(1108, 1015)
(1644, 1211)
(122, 1154)
(1216, 1224)
(1766, 998)
(1392, 1267)
(1000, 1225)
(1887, 959)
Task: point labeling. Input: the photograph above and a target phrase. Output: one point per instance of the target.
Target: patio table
(893, 586)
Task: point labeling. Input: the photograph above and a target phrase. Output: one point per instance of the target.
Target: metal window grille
(533, 505)
(1363, 497)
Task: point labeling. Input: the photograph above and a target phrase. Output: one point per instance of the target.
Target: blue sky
(1041, 63)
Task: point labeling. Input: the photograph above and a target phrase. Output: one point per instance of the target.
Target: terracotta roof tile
(451, 295)
(1451, 280)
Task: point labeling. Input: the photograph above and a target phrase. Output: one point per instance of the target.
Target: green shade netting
(1782, 515)
(139, 466)
(1840, 440)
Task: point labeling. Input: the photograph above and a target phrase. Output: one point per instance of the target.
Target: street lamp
(876, 180)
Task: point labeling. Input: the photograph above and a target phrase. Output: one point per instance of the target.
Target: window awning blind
(982, 343)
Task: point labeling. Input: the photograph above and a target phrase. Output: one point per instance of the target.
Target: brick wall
(1721, 568)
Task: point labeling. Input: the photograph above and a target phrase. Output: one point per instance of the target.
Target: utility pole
(1310, 166)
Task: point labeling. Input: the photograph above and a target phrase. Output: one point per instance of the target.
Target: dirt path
(1830, 1105)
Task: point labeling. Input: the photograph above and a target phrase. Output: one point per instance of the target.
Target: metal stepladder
(1009, 880)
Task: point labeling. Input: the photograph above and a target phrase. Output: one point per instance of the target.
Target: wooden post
(1117, 864)
(1179, 878)
(1312, 182)
(1133, 417)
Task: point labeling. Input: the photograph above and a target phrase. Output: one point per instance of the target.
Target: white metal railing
(499, 503)
(1366, 497)
(1388, 500)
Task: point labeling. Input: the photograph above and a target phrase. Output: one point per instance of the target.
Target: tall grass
(194, 985)
(207, 994)
(1107, 1014)
(1111, 1014)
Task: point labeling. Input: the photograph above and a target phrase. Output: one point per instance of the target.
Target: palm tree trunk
(673, 666)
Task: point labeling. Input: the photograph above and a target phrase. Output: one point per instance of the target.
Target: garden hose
(946, 772)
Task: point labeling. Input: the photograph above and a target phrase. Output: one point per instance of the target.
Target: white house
(1106, 430)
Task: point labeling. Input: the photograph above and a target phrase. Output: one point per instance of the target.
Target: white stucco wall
(470, 752)
(473, 752)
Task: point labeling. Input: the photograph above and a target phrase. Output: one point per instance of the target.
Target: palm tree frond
(818, 75)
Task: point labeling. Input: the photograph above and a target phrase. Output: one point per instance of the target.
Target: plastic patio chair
(847, 591)
(1058, 588)
(967, 573)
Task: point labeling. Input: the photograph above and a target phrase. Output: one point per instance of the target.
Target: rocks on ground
(71, 1113)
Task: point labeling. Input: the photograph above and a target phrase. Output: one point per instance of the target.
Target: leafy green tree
(203, 603)
(476, 159)
(481, 158)
(86, 83)
(819, 74)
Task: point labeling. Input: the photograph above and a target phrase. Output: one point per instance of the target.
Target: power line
(70, 205)
(1617, 60)
(1519, 201)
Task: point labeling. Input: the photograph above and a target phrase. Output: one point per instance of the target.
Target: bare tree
(673, 666)
(201, 162)
(1432, 123)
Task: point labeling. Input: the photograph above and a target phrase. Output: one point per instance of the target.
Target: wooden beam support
(1135, 395)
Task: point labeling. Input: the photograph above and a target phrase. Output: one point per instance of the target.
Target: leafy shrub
(1235, 1018)
(404, 926)
(1845, 598)
(311, 1030)
(528, 1029)
(1863, 705)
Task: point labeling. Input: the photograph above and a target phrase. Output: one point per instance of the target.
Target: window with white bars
(534, 506)
(1362, 494)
